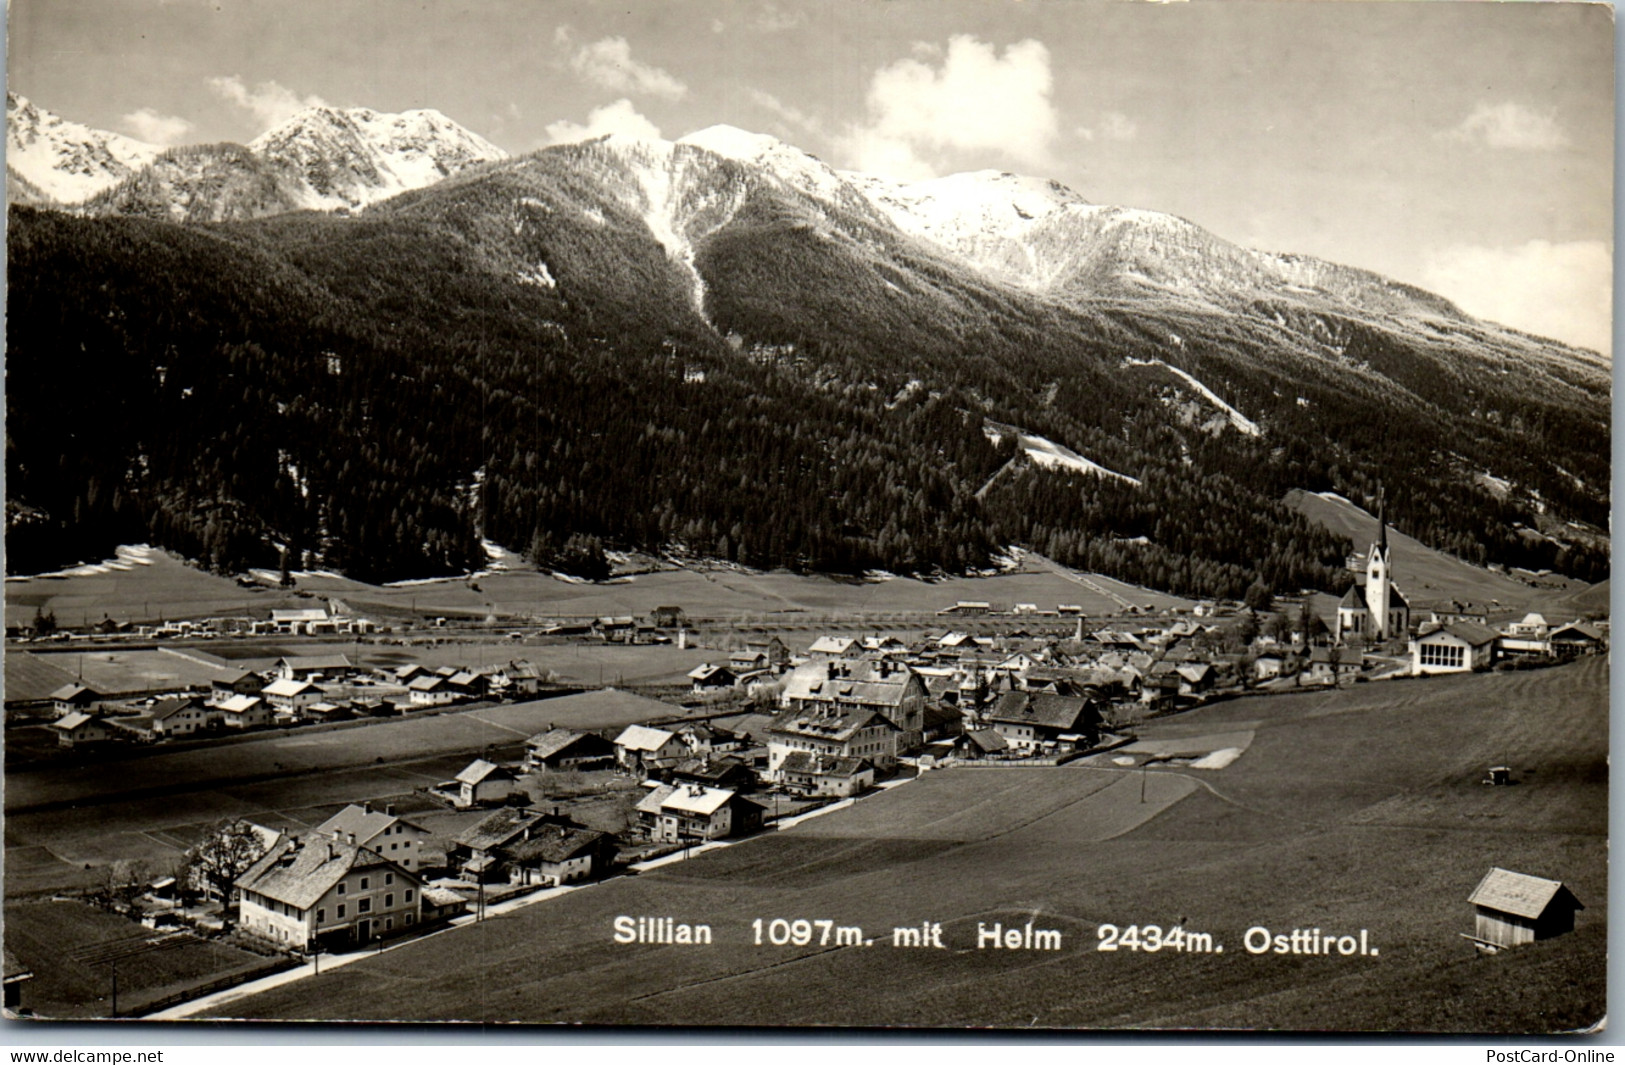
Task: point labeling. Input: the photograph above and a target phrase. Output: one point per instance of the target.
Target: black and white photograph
(771, 515)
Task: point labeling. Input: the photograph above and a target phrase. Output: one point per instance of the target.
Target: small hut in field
(1516, 908)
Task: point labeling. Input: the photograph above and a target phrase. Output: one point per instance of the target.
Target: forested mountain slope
(724, 344)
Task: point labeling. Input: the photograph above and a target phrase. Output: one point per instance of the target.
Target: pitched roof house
(889, 688)
(318, 890)
(392, 837)
(1033, 719)
(675, 813)
(565, 749)
(641, 748)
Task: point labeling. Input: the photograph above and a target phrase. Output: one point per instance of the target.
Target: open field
(62, 825)
(140, 585)
(1427, 576)
(1349, 811)
(152, 585)
(275, 756)
(34, 674)
(73, 949)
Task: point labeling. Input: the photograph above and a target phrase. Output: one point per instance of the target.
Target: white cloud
(1563, 291)
(793, 115)
(619, 117)
(608, 63)
(1510, 125)
(919, 112)
(1114, 126)
(270, 103)
(154, 128)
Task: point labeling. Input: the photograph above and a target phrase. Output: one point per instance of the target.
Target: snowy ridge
(1050, 455)
(66, 161)
(1240, 421)
(354, 157)
(789, 164)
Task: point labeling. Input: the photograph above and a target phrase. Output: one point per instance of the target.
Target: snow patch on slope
(1240, 421)
(1050, 455)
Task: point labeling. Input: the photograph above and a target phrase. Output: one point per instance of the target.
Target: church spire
(1382, 528)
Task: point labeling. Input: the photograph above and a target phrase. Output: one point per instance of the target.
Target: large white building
(328, 891)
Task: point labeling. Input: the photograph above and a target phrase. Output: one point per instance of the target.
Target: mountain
(350, 158)
(51, 159)
(723, 344)
(323, 158)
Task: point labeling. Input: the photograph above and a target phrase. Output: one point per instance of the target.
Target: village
(760, 735)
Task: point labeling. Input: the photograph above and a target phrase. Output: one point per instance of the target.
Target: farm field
(61, 826)
(277, 756)
(1349, 810)
(79, 946)
(146, 585)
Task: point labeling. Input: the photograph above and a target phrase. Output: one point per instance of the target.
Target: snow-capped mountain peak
(63, 160)
(794, 167)
(350, 157)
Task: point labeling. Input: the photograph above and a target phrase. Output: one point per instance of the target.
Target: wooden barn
(1516, 908)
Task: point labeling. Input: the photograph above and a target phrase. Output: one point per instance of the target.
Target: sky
(1463, 147)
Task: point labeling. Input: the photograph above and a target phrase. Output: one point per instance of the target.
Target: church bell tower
(1378, 592)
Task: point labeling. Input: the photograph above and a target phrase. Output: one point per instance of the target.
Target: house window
(389, 878)
(408, 894)
(363, 883)
(389, 900)
(321, 916)
(389, 923)
(410, 918)
(341, 887)
(363, 906)
(341, 911)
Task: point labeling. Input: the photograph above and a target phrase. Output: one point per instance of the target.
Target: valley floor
(1356, 812)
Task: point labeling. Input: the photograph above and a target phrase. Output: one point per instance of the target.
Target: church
(1375, 612)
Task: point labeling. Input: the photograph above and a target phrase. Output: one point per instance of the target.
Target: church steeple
(1382, 529)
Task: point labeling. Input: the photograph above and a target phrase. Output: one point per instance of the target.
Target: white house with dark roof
(482, 783)
(831, 732)
(432, 689)
(246, 711)
(299, 667)
(392, 837)
(889, 688)
(75, 729)
(674, 813)
(1459, 647)
(708, 677)
(180, 716)
(291, 696)
(74, 698)
(640, 748)
(319, 890)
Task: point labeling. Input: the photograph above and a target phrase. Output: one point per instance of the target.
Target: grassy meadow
(1350, 810)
